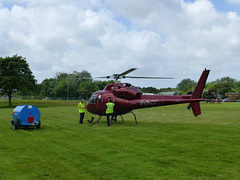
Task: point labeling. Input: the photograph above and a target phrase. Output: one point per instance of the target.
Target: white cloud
(162, 38)
(234, 1)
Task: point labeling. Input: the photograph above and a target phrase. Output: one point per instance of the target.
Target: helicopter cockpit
(92, 99)
(95, 98)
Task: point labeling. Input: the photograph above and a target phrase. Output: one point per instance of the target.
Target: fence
(39, 98)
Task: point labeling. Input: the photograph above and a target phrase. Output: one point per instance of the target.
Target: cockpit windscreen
(92, 99)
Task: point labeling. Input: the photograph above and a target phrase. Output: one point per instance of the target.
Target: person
(81, 108)
(109, 110)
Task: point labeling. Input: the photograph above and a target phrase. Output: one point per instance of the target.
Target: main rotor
(123, 76)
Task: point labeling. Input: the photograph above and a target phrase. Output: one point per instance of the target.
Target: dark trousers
(108, 119)
(81, 118)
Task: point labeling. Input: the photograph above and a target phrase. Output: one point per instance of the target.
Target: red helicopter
(127, 97)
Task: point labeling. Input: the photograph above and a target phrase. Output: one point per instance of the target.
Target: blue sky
(172, 38)
(224, 6)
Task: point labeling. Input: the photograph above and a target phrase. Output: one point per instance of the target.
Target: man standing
(81, 108)
(109, 110)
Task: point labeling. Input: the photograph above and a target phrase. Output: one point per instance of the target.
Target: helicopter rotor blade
(127, 72)
(104, 77)
(148, 77)
(122, 75)
(119, 76)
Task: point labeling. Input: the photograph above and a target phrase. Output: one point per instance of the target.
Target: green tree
(224, 85)
(211, 86)
(186, 85)
(64, 84)
(15, 76)
(149, 90)
(61, 89)
(75, 79)
(102, 84)
(237, 87)
(48, 87)
(86, 89)
(61, 76)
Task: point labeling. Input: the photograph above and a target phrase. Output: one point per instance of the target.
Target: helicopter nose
(89, 107)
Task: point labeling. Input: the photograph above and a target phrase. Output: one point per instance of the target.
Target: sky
(174, 38)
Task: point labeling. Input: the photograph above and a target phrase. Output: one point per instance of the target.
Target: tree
(86, 89)
(15, 76)
(48, 87)
(237, 87)
(102, 84)
(75, 79)
(61, 89)
(186, 85)
(61, 76)
(224, 85)
(149, 90)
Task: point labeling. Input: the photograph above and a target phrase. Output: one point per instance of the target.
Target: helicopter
(128, 98)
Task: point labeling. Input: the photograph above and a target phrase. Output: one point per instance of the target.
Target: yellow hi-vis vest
(110, 107)
(81, 107)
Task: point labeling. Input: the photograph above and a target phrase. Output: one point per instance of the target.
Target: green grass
(168, 143)
(38, 103)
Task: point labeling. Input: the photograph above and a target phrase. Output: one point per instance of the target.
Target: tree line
(16, 78)
(220, 86)
(70, 85)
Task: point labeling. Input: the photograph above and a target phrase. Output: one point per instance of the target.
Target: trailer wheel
(39, 125)
(14, 126)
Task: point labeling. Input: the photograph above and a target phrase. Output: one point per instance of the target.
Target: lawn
(167, 143)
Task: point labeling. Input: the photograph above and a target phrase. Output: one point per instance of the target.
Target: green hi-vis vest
(110, 107)
(81, 107)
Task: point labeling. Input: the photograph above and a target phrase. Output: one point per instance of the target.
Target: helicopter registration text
(148, 102)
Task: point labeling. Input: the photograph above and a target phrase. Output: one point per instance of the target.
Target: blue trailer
(26, 116)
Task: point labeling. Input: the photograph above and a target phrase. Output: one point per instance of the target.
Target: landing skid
(113, 119)
(134, 117)
(96, 121)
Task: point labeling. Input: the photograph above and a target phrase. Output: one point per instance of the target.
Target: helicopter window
(92, 99)
(99, 99)
(127, 84)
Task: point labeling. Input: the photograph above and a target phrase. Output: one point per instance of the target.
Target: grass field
(168, 143)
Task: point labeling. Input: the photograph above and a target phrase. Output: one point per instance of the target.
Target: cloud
(234, 1)
(159, 37)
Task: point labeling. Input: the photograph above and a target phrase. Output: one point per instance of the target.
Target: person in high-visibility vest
(109, 110)
(81, 108)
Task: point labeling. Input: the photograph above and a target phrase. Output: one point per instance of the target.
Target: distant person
(81, 108)
(109, 110)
